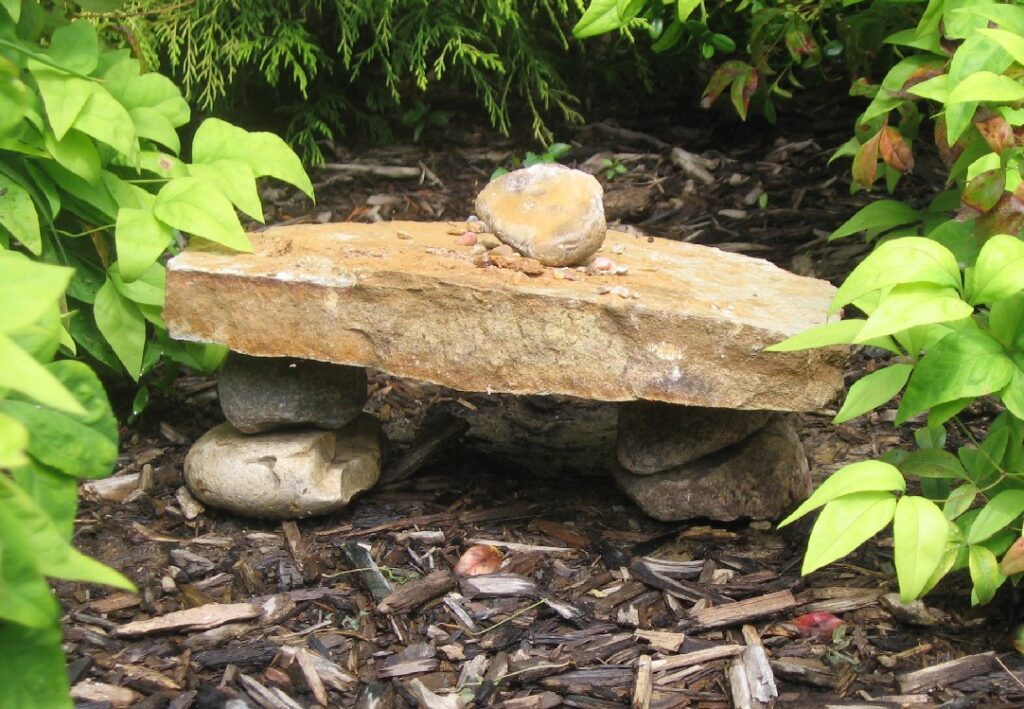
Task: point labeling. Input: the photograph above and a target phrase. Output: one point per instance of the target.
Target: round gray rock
(260, 394)
(655, 436)
(547, 212)
(284, 474)
(763, 477)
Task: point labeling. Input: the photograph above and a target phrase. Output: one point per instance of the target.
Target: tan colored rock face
(417, 307)
(546, 212)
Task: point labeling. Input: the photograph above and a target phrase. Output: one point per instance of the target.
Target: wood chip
(201, 618)
(367, 571)
(114, 602)
(268, 698)
(515, 546)
(190, 506)
(498, 585)
(696, 657)
(644, 686)
(947, 673)
(113, 489)
(100, 692)
(662, 639)
(425, 699)
(742, 611)
(415, 593)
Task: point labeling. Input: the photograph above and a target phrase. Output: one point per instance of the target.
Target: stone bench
(676, 323)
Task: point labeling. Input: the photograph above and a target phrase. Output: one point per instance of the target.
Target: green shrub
(55, 427)
(90, 178)
(328, 64)
(943, 292)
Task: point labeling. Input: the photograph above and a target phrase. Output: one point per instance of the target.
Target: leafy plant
(612, 168)
(943, 292)
(551, 154)
(90, 178)
(55, 427)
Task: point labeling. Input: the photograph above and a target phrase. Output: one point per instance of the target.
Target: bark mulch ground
(594, 605)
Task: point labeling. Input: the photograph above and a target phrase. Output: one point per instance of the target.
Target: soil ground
(577, 543)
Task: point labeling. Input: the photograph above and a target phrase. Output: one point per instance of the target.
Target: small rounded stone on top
(548, 212)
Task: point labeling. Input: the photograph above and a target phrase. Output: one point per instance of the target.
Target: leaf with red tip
(1007, 217)
(865, 162)
(479, 559)
(723, 76)
(818, 624)
(996, 131)
(895, 150)
(1013, 560)
(984, 191)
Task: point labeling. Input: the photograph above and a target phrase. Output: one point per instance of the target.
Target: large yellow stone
(406, 298)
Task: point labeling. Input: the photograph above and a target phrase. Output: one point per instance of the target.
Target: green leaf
(196, 206)
(81, 445)
(873, 390)
(150, 90)
(18, 214)
(912, 259)
(910, 304)
(984, 574)
(25, 597)
(932, 463)
(52, 555)
(844, 524)
(999, 270)
(882, 214)
(28, 289)
(75, 152)
(1006, 320)
(64, 96)
(32, 667)
(76, 47)
(1012, 43)
(865, 476)
(934, 89)
(959, 500)
(107, 121)
(685, 8)
(55, 493)
(963, 364)
(13, 8)
(153, 125)
(604, 16)
(986, 86)
(122, 325)
(13, 442)
(23, 374)
(265, 153)
(1013, 394)
(236, 180)
(999, 513)
(841, 332)
(920, 532)
(140, 238)
(147, 289)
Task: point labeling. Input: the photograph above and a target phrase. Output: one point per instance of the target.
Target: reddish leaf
(919, 75)
(723, 76)
(895, 150)
(984, 191)
(995, 130)
(817, 625)
(479, 559)
(865, 162)
(1007, 217)
(1013, 560)
(743, 87)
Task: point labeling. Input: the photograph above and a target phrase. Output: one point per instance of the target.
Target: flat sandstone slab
(406, 298)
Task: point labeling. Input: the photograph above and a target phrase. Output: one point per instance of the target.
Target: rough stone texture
(763, 477)
(417, 307)
(285, 474)
(260, 394)
(547, 212)
(654, 437)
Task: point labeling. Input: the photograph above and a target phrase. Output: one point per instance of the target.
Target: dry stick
(1007, 670)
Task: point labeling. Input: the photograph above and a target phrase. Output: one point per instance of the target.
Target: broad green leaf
(76, 153)
(153, 125)
(25, 597)
(685, 8)
(999, 513)
(51, 554)
(844, 524)
(910, 304)
(76, 47)
(934, 89)
(28, 289)
(984, 574)
(162, 164)
(15, 97)
(959, 500)
(1012, 43)
(986, 86)
(999, 271)
(912, 259)
(13, 442)
(1013, 394)
(122, 325)
(865, 476)
(236, 180)
(13, 8)
(873, 390)
(841, 332)
(604, 16)
(959, 238)
(107, 121)
(126, 194)
(23, 374)
(923, 337)
(55, 493)
(932, 463)
(97, 197)
(265, 153)
(194, 205)
(1013, 562)
(881, 214)
(147, 289)
(920, 532)
(1006, 320)
(81, 445)
(32, 667)
(18, 214)
(64, 96)
(83, 328)
(140, 238)
(963, 364)
(981, 463)
(150, 90)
